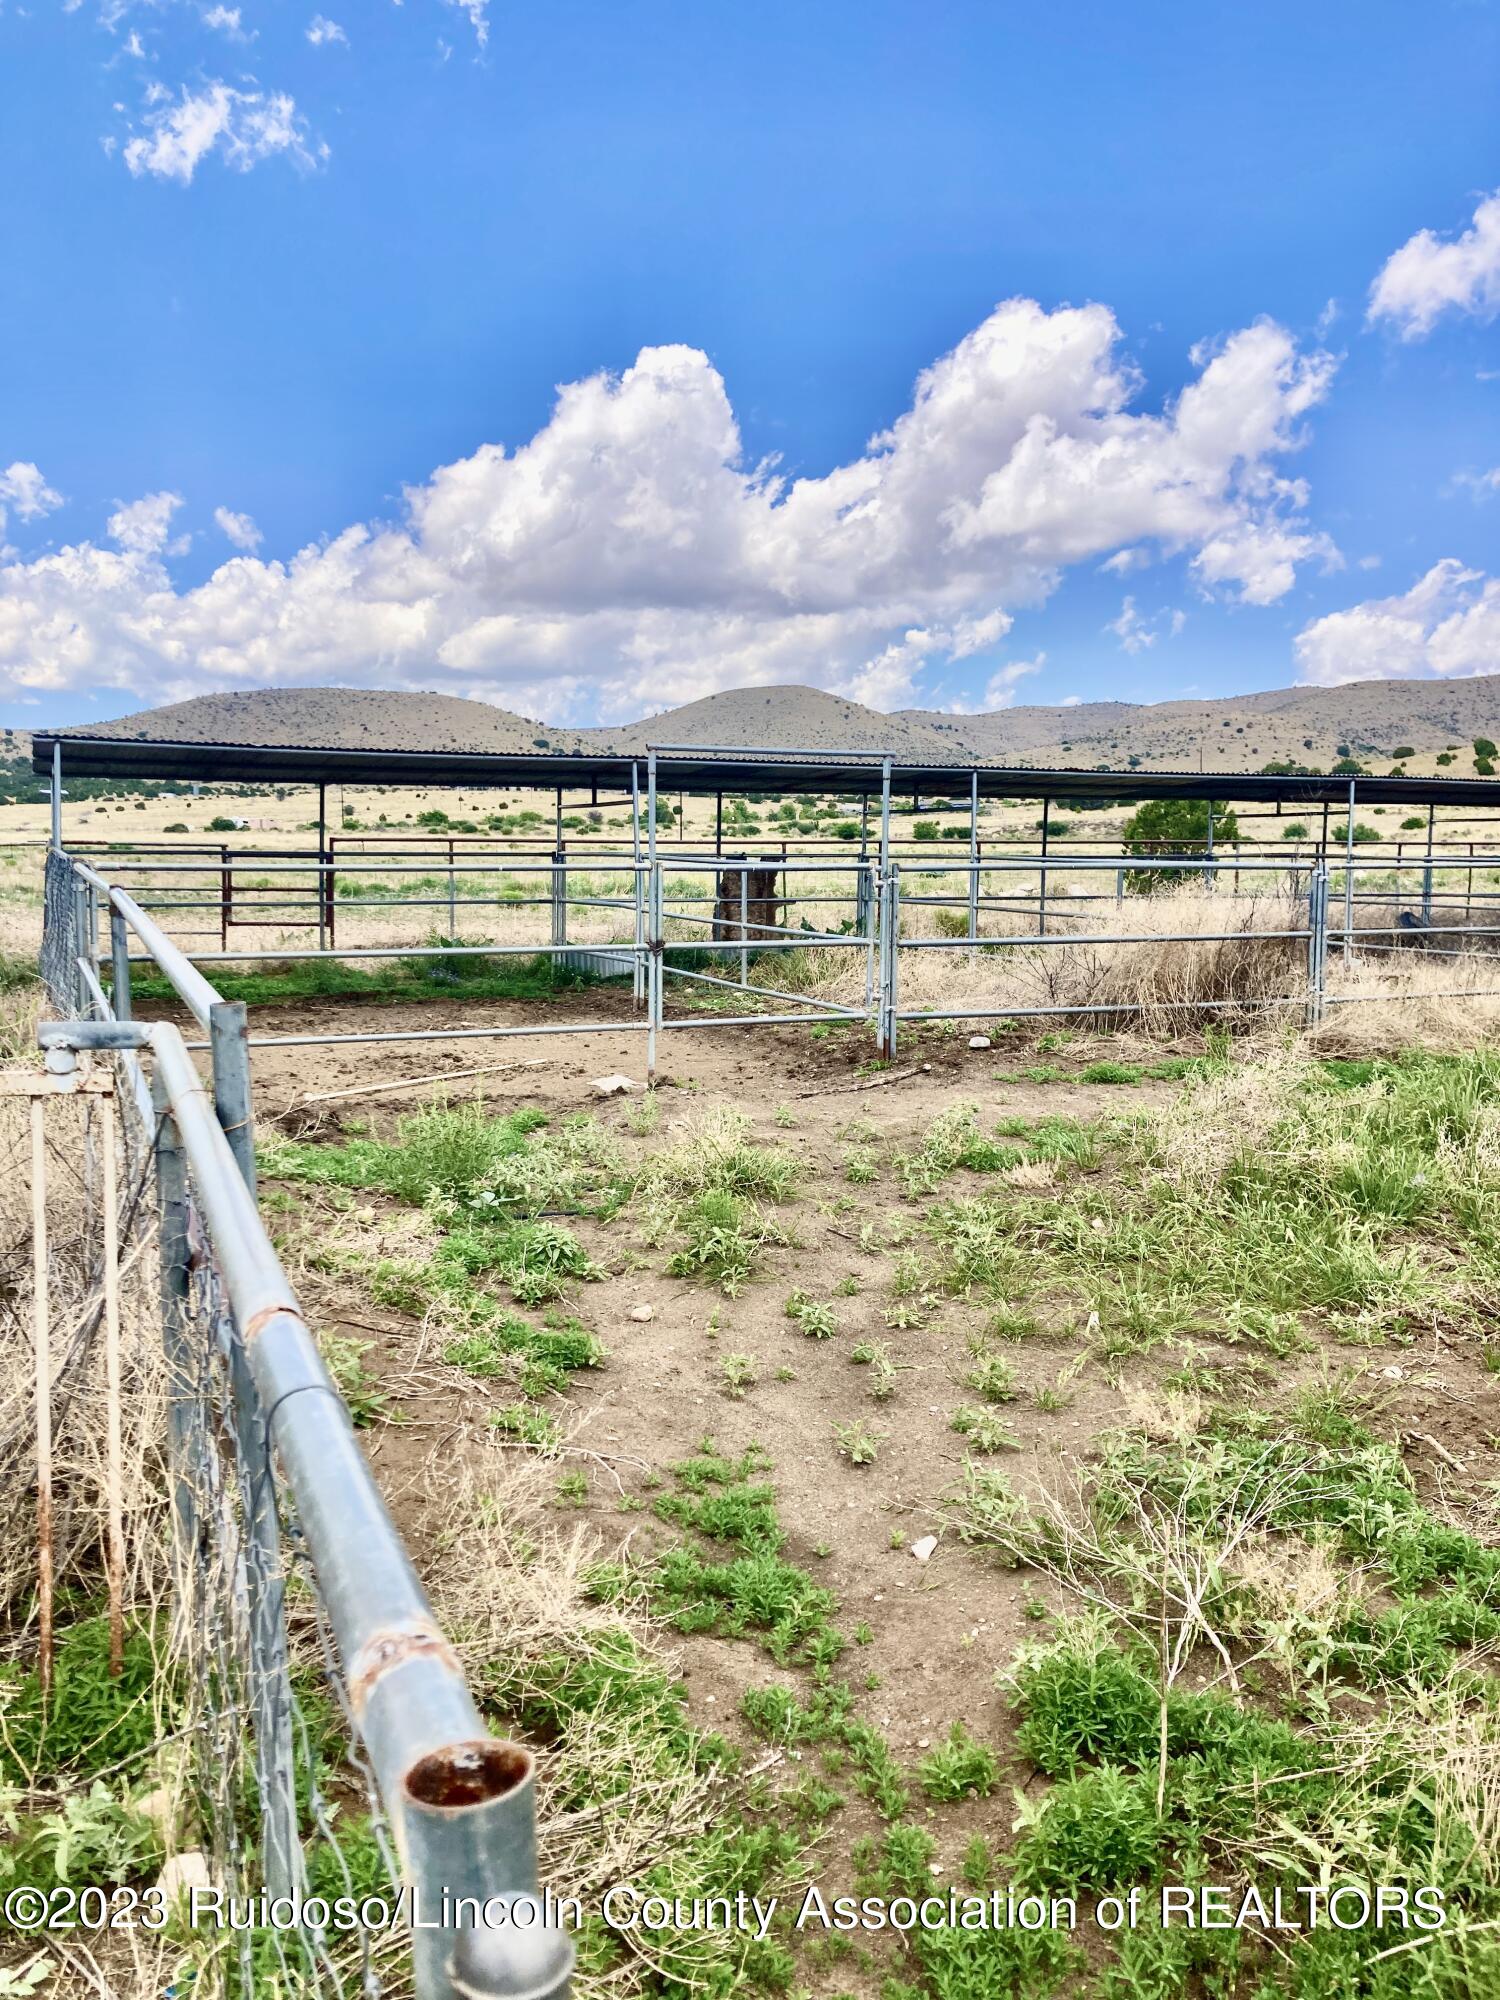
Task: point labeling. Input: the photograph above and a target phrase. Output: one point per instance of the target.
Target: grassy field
(1184, 1369)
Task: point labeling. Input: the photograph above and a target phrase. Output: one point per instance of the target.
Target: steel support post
(91, 927)
(1209, 871)
(1427, 871)
(745, 921)
(57, 797)
(270, 1676)
(653, 923)
(80, 906)
(638, 890)
(973, 856)
(119, 959)
(865, 922)
(890, 939)
(229, 1047)
(1041, 904)
(172, 1196)
(322, 877)
(653, 968)
(885, 818)
(1349, 880)
(559, 897)
(1317, 942)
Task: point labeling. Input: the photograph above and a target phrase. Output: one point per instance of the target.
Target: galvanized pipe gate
(460, 1803)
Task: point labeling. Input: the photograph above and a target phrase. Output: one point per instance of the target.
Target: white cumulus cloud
(243, 127)
(628, 555)
(237, 528)
(1430, 275)
(321, 31)
(23, 488)
(1446, 627)
(141, 527)
(225, 21)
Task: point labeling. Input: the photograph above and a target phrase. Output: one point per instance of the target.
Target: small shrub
(1096, 1830)
(857, 1442)
(959, 1768)
(993, 1377)
(814, 1316)
(739, 1373)
(522, 1421)
(721, 1242)
(984, 1430)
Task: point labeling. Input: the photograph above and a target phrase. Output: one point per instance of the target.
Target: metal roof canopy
(704, 772)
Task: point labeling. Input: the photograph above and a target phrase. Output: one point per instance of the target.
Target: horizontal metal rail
(191, 987)
(1095, 937)
(446, 1034)
(770, 992)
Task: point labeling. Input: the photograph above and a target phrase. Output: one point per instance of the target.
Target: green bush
(1096, 1831)
(1167, 827)
(959, 1768)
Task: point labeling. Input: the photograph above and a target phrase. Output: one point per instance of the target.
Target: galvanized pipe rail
(460, 1802)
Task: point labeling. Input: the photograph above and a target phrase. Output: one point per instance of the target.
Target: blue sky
(291, 294)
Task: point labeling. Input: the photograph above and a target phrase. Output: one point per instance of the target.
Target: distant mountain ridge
(1372, 719)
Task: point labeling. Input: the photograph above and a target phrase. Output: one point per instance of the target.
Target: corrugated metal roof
(704, 771)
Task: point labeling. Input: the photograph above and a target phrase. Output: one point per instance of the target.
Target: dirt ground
(940, 1631)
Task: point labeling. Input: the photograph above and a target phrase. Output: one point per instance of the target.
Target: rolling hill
(1374, 719)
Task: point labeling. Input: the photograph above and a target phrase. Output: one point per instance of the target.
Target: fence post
(865, 923)
(653, 967)
(890, 923)
(229, 1048)
(171, 1186)
(973, 856)
(559, 899)
(119, 961)
(745, 921)
(270, 1678)
(1349, 880)
(76, 985)
(1317, 942)
(638, 889)
(1427, 871)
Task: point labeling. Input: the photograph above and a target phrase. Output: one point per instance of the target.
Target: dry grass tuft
(1402, 1000)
